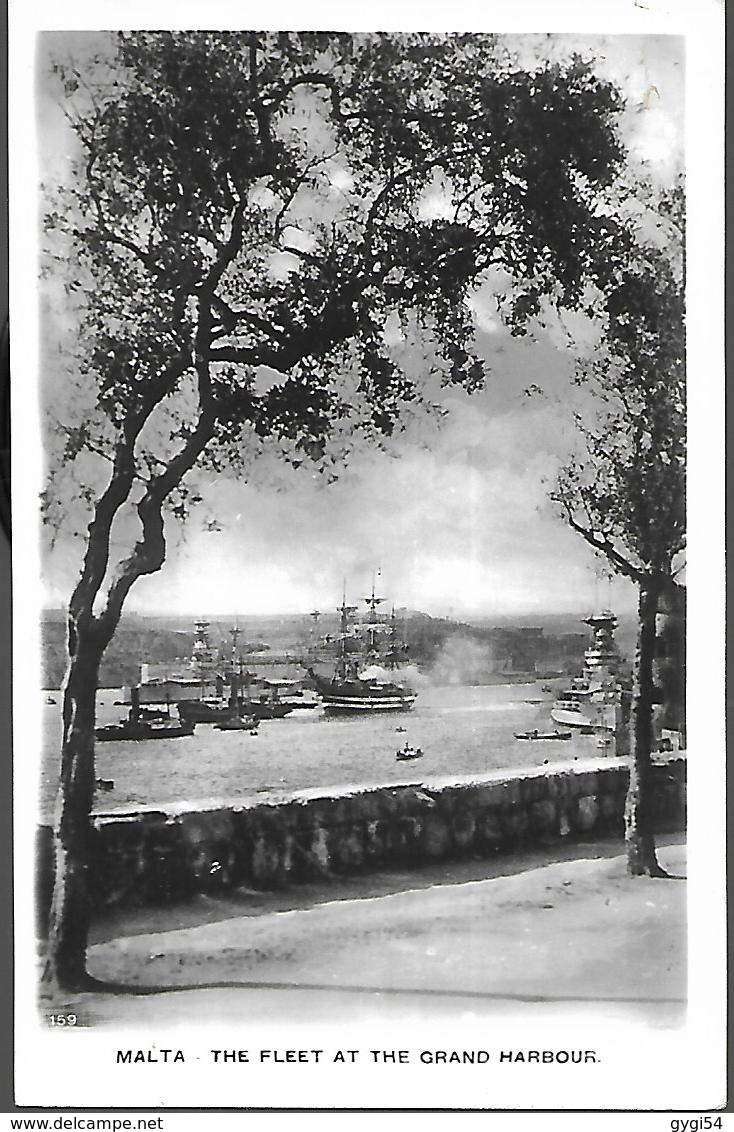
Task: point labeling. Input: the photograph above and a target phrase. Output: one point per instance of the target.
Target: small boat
(238, 723)
(407, 753)
(268, 709)
(142, 729)
(205, 711)
(286, 694)
(542, 734)
(153, 715)
(50, 700)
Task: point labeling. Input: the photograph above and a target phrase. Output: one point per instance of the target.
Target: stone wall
(166, 854)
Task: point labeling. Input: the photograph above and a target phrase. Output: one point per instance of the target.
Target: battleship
(361, 682)
(212, 687)
(594, 700)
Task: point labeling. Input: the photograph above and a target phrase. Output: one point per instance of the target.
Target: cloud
(456, 516)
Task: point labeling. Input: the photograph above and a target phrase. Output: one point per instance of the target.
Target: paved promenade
(551, 936)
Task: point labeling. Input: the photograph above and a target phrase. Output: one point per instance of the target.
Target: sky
(455, 516)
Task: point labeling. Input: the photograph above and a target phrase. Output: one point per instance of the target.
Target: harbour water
(461, 730)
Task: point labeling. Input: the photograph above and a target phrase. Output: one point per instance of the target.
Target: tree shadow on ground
(109, 987)
(244, 901)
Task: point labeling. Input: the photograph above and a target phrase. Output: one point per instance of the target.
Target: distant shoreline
(492, 680)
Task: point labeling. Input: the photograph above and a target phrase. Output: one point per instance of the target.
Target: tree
(625, 495)
(262, 226)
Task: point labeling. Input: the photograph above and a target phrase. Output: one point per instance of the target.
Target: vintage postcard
(367, 399)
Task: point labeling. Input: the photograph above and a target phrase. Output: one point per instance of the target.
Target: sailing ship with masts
(367, 652)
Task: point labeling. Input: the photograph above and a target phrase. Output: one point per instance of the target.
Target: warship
(367, 652)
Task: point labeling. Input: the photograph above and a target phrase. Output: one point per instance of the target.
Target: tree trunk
(66, 948)
(670, 664)
(638, 816)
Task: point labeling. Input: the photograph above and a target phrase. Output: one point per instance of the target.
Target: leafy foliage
(251, 212)
(256, 201)
(626, 493)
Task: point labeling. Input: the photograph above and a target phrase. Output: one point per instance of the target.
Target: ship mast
(396, 648)
(234, 634)
(372, 625)
(203, 657)
(343, 663)
(234, 680)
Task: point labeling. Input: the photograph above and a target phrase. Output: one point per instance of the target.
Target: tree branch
(315, 161)
(107, 234)
(149, 552)
(228, 251)
(315, 78)
(96, 558)
(603, 544)
(229, 319)
(307, 257)
(262, 115)
(117, 492)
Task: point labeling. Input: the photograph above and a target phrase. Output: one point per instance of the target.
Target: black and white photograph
(368, 393)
